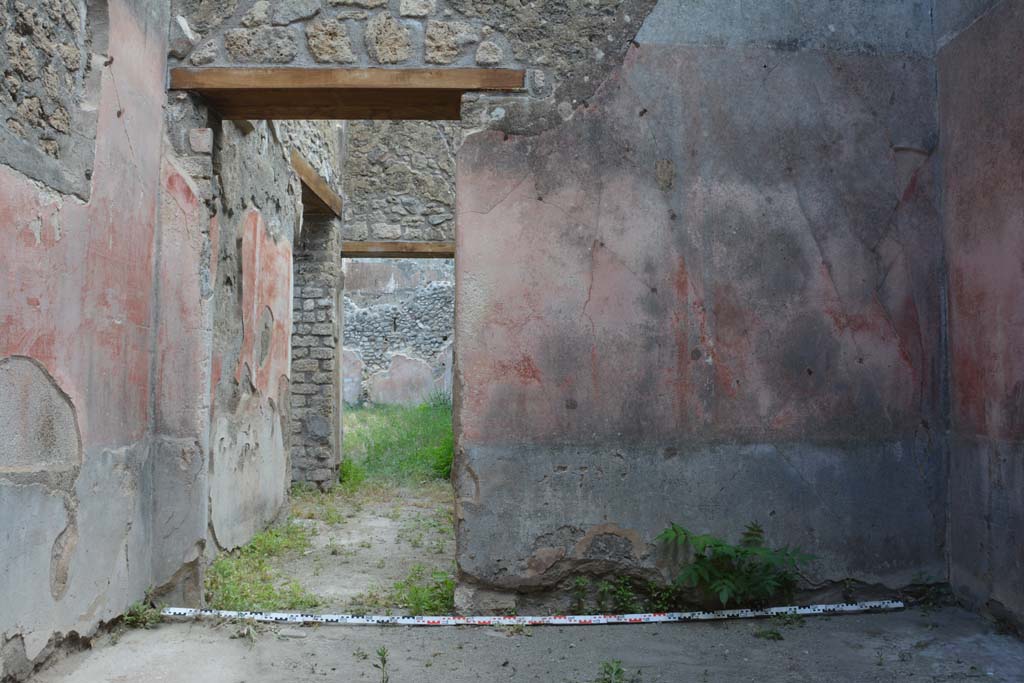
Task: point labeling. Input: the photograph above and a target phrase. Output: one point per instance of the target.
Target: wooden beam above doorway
(341, 93)
(351, 249)
(318, 199)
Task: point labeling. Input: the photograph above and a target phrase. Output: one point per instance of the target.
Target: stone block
(329, 41)
(489, 53)
(288, 11)
(181, 39)
(387, 41)
(445, 40)
(258, 15)
(204, 54)
(305, 365)
(265, 44)
(200, 140)
(415, 8)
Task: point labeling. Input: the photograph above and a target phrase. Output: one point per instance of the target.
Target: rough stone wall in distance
(398, 307)
(315, 392)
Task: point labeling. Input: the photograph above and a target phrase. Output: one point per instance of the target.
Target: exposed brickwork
(315, 392)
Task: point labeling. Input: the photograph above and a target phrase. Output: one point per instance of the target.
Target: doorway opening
(369, 525)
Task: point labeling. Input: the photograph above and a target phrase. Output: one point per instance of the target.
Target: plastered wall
(144, 339)
(713, 296)
(981, 108)
(77, 470)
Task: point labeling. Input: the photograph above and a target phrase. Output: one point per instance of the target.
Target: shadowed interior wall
(982, 114)
(712, 296)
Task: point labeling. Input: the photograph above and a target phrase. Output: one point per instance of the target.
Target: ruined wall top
(567, 47)
(50, 60)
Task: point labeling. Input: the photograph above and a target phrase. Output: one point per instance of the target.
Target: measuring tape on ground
(559, 620)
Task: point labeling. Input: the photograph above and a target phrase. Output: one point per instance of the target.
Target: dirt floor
(363, 544)
(941, 645)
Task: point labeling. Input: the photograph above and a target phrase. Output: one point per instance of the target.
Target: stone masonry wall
(397, 308)
(568, 48)
(316, 376)
(400, 180)
(51, 55)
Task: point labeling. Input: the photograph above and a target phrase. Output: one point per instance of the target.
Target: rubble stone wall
(398, 307)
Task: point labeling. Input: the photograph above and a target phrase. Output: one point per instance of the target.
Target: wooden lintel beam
(326, 78)
(340, 93)
(318, 199)
(351, 249)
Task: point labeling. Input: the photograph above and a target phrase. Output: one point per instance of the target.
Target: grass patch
(423, 594)
(244, 579)
(398, 444)
(142, 615)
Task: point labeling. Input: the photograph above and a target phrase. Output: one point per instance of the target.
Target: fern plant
(746, 574)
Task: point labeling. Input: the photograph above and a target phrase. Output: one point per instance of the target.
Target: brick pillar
(316, 354)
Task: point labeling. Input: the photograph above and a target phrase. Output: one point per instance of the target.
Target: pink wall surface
(79, 296)
(982, 114)
(711, 296)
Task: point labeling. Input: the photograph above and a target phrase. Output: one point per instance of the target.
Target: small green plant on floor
(142, 614)
(422, 594)
(617, 597)
(612, 672)
(659, 598)
(382, 664)
(749, 573)
(244, 579)
(768, 634)
(579, 591)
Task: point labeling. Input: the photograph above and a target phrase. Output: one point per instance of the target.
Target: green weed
(612, 672)
(382, 664)
(768, 634)
(579, 591)
(142, 615)
(747, 574)
(244, 580)
(423, 594)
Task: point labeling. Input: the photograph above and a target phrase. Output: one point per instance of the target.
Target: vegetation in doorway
(747, 574)
(244, 579)
(398, 444)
